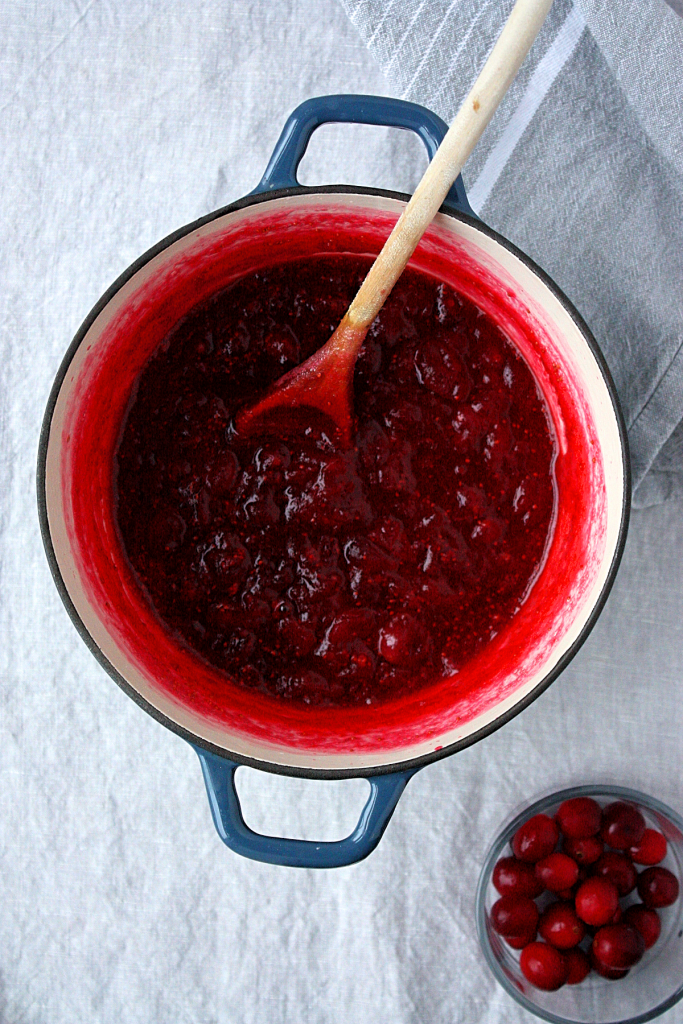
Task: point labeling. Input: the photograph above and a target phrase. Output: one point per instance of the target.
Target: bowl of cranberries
(579, 906)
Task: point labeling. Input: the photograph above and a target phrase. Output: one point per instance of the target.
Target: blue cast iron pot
(105, 337)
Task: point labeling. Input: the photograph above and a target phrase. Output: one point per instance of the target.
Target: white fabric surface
(121, 121)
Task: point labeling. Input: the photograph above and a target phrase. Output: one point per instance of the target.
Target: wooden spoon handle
(505, 59)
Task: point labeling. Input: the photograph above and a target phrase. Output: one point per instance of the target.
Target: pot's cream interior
(86, 423)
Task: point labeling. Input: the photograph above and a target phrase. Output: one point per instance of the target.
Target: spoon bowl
(323, 382)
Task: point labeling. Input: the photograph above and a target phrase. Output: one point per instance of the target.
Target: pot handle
(350, 109)
(219, 776)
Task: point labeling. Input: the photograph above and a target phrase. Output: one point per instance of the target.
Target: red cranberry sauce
(323, 575)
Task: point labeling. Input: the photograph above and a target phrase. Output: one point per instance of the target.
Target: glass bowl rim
(508, 829)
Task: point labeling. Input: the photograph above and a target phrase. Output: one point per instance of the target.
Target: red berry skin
(618, 946)
(617, 868)
(520, 941)
(535, 839)
(657, 887)
(560, 926)
(579, 817)
(650, 850)
(579, 966)
(514, 916)
(614, 919)
(569, 894)
(645, 921)
(622, 825)
(513, 877)
(596, 901)
(557, 871)
(544, 966)
(613, 973)
(584, 851)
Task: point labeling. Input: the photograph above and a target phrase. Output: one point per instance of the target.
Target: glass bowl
(650, 988)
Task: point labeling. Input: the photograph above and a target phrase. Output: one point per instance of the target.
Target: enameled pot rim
(353, 772)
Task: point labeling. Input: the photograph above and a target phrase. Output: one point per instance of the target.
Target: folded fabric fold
(582, 167)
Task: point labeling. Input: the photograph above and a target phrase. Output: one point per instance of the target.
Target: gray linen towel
(582, 167)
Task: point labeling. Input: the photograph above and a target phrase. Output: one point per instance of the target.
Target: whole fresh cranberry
(535, 839)
(514, 916)
(657, 887)
(596, 901)
(618, 946)
(622, 825)
(521, 940)
(616, 916)
(579, 817)
(560, 925)
(651, 848)
(513, 877)
(557, 871)
(579, 966)
(544, 966)
(613, 973)
(618, 869)
(644, 920)
(584, 851)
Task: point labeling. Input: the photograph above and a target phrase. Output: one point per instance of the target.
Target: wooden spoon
(325, 380)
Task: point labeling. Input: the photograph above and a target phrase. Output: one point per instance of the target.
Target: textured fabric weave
(582, 167)
(122, 121)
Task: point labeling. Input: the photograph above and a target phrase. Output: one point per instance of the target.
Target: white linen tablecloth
(120, 122)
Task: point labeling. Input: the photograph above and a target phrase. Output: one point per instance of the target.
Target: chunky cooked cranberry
(309, 687)
(557, 871)
(272, 459)
(596, 901)
(223, 474)
(617, 868)
(560, 925)
(657, 887)
(584, 851)
(622, 825)
(618, 946)
(289, 561)
(295, 637)
(224, 616)
(579, 817)
(167, 531)
(514, 915)
(403, 641)
(544, 966)
(650, 850)
(578, 964)
(390, 533)
(513, 877)
(440, 368)
(357, 622)
(535, 839)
